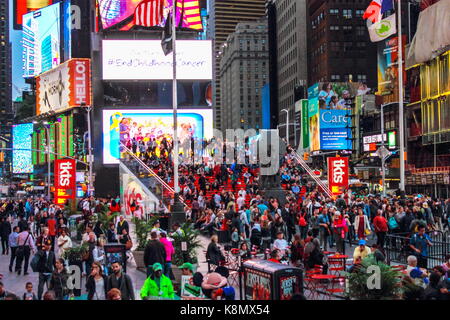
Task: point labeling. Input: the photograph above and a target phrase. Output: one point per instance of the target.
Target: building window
(334, 28)
(334, 46)
(359, 13)
(334, 11)
(347, 13)
(361, 77)
(360, 30)
(335, 77)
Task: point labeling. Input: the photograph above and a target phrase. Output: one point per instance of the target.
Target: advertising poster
(136, 198)
(288, 287)
(113, 12)
(257, 285)
(333, 132)
(132, 125)
(189, 290)
(64, 87)
(387, 70)
(338, 174)
(22, 139)
(305, 127)
(41, 40)
(145, 60)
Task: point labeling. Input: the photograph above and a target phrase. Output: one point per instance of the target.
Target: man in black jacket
(45, 266)
(154, 252)
(289, 218)
(121, 281)
(5, 231)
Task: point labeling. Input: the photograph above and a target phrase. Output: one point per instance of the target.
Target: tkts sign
(65, 180)
(337, 174)
(64, 87)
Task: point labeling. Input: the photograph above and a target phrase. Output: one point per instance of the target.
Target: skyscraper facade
(243, 71)
(224, 15)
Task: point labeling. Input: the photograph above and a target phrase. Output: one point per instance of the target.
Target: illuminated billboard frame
(145, 60)
(22, 7)
(197, 122)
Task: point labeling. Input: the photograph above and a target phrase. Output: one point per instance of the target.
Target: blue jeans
(167, 268)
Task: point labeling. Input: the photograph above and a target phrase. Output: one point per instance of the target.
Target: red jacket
(380, 224)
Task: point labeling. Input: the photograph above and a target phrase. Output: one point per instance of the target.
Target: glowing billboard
(133, 125)
(145, 60)
(22, 138)
(41, 40)
(115, 12)
(22, 7)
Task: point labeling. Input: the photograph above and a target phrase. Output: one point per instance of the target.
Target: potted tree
(191, 238)
(362, 283)
(142, 228)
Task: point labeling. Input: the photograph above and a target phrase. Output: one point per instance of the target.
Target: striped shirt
(23, 237)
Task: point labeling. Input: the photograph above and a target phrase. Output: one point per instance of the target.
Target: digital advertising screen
(41, 40)
(145, 60)
(114, 12)
(22, 139)
(133, 125)
(22, 7)
(333, 132)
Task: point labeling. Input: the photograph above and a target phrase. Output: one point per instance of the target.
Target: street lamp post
(287, 124)
(383, 158)
(90, 187)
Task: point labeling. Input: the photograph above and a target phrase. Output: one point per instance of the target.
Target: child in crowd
(29, 294)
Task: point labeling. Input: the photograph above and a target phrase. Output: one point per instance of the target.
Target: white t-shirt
(99, 290)
(280, 244)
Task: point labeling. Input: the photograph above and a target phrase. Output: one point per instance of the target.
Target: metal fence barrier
(397, 249)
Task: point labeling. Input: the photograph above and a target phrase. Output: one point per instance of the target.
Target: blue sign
(334, 134)
(313, 91)
(22, 161)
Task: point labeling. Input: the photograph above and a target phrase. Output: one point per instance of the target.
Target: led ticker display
(22, 139)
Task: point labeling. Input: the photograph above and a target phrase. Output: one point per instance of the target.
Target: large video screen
(131, 125)
(41, 40)
(22, 7)
(145, 60)
(113, 12)
(22, 161)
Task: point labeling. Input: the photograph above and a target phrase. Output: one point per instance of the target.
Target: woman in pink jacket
(170, 251)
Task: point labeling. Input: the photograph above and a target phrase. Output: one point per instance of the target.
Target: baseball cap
(157, 266)
(187, 265)
(362, 242)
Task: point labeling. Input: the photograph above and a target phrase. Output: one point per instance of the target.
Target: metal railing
(398, 249)
(308, 170)
(144, 173)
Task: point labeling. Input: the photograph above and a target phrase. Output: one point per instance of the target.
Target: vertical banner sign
(65, 180)
(337, 174)
(42, 145)
(305, 124)
(70, 135)
(52, 132)
(34, 145)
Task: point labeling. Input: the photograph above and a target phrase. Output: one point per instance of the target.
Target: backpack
(302, 221)
(34, 264)
(392, 223)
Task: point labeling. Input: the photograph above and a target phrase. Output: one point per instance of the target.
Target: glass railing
(149, 178)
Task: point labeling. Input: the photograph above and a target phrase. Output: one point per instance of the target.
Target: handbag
(20, 251)
(128, 245)
(367, 232)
